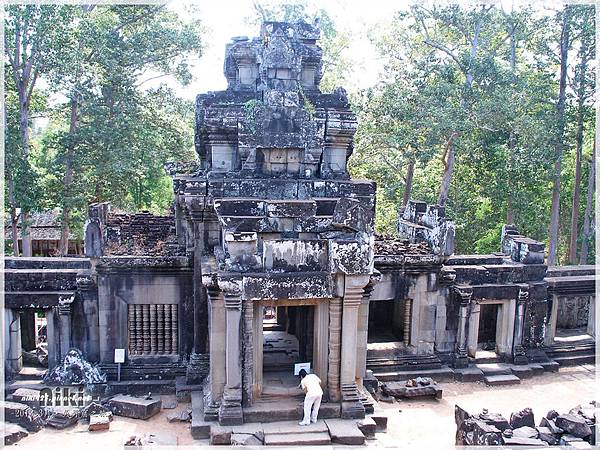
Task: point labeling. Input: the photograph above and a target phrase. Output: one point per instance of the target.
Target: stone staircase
(573, 353)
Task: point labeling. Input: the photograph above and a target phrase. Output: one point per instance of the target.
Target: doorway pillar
(460, 353)
(519, 356)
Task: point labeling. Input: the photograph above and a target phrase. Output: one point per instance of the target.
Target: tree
(33, 37)
(583, 85)
(564, 45)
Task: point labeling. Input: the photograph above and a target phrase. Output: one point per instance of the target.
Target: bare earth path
(415, 424)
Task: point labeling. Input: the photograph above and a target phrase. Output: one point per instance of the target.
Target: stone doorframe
(320, 358)
(551, 328)
(505, 324)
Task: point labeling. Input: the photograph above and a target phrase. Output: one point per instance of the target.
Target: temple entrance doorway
(386, 321)
(572, 321)
(288, 333)
(27, 346)
(488, 328)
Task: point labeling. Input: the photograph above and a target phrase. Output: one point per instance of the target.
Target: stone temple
(270, 259)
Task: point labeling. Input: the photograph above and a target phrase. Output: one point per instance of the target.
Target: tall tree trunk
(65, 229)
(577, 186)
(410, 172)
(589, 209)
(448, 168)
(13, 214)
(512, 138)
(559, 144)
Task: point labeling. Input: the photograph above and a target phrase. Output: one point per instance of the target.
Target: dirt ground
(415, 423)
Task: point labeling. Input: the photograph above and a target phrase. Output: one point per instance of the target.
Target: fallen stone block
(401, 389)
(13, 433)
(574, 425)
(367, 426)
(22, 415)
(380, 422)
(468, 374)
(134, 407)
(220, 435)
(153, 440)
(526, 432)
(180, 416)
(62, 420)
(344, 432)
(495, 419)
(567, 439)
(485, 434)
(244, 439)
(168, 401)
(523, 418)
(546, 435)
(200, 429)
(95, 408)
(99, 422)
(582, 445)
(522, 441)
(30, 397)
(551, 424)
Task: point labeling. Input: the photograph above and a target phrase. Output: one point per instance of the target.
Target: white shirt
(311, 385)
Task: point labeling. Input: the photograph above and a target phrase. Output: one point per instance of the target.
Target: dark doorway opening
(488, 326)
(34, 342)
(386, 321)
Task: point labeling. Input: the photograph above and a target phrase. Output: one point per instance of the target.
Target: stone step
(445, 373)
(31, 373)
(494, 369)
(345, 432)
(574, 360)
(550, 366)
(501, 380)
(468, 374)
(298, 439)
(286, 410)
(293, 427)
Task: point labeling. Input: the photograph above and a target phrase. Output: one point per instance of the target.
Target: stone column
(216, 383)
(198, 365)
(519, 356)
(460, 354)
(248, 341)
(473, 327)
(335, 328)
(363, 330)
(64, 317)
(591, 325)
(13, 355)
(352, 408)
(258, 349)
(321, 342)
(230, 412)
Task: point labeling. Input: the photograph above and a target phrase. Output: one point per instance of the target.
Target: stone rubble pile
(390, 246)
(575, 429)
(141, 234)
(74, 369)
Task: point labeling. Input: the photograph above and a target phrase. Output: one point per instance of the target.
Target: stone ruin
(269, 234)
(575, 429)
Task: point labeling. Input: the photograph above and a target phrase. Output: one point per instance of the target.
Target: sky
(227, 18)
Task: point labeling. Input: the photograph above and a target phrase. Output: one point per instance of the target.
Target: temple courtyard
(411, 423)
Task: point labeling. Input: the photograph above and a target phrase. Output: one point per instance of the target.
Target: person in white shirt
(311, 385)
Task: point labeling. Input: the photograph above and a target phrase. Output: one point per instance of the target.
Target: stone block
(13, 433)
(567, 439)
(134, 407)
(22, 415)
(30, 397)
(551, 425)
(200, 429)
(168, 401)
(180, 416)
(526, 432)
(501, 380)
(220, 435)
(523, 418)
(244, 439)
(468, 374)
(62, 420)
(298, 439)
(292, 208)
(550, 366)
(99, 422)
(546, 435)
(575, 425)
(485, 434)
(522, 441)
(495, 419)
(380, 422)
(344, 432)
(367, 426)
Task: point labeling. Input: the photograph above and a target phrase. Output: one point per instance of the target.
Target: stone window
(152, 330)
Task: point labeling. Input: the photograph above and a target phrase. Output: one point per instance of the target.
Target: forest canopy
(486, 111)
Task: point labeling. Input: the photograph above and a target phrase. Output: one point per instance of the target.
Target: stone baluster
(153, 329)
(230, 412)
(131, 329)
(146, 328)
(352, 408)
(167, 332)
(139, 338)
(174, 330)
(460, 354)
(335, 328)
(408, 302)
(160, 329)
(519, 355)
